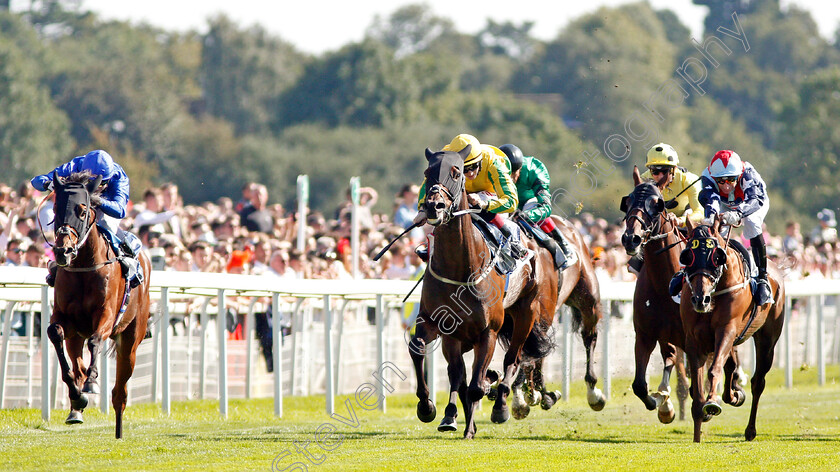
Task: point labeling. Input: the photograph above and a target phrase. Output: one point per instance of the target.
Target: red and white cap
(726, 163)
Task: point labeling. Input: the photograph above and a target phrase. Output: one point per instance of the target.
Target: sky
(317, 26)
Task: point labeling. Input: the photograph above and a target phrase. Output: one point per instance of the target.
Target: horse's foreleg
(521, 331)
(549, 398)
(426, 411)
(723, 347)
(78, 401)
(457, 382)
(643, 348)
(477, 388)
(696, 363)
(94, 345)
(589, 334)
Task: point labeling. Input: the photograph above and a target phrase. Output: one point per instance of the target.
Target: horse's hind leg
(519, 407)
(127, 343)
(78, 400)
(682, 381)
(662, 397)
(733, 394)
(764, 349)
(588, 316)
(94, 345)
(549, 398)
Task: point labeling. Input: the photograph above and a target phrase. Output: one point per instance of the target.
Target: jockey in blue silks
(111, 210)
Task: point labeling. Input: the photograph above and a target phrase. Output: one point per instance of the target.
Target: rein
(482, 276)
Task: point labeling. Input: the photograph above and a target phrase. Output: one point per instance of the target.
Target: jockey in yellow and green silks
(532, 190)
(487, 172)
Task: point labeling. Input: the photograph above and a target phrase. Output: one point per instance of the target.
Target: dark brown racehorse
(718, 313)
(656, 317)
(89, 293)
(579, 290)
(464, 301)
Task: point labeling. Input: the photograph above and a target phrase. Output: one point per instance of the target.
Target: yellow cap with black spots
(662, 155)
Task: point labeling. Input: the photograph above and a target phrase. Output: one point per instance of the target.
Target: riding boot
(568, 252)
(554, 248)
(515, 245)
(675, 287)
(763, 292)
(52, 268)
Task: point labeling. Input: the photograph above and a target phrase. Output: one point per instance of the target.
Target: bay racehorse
(580, 291)
(90, 291)
(656, 317)
(718, 313)
(469, 305)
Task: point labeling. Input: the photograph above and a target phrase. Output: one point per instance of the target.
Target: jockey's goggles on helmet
(729, 179)
(472, 167)
(655, 170)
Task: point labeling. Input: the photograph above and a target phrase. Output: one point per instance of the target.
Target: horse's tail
(540, 341)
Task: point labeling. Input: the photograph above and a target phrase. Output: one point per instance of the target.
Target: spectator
(256, 217)
(826, 232)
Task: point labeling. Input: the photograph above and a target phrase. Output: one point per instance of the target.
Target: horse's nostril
(637, 240)
(707, 299)
(440, 206)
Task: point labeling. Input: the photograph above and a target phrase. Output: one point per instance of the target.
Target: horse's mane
(83, 178)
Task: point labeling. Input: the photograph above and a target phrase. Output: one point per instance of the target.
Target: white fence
(351, 326)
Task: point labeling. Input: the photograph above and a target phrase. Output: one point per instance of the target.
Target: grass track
(798, 429)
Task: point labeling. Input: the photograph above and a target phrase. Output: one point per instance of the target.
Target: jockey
(111, 209)
(736, 191)
(486, 169)
(664, 169)
(532, 181)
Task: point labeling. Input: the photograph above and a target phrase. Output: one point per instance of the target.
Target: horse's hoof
(447, 425)
(80, 403)
(666, 413)
(549, 399)
(426, 415)
(521, 412)
(500, 415)
(740, 398)
(749, 433)
(91, 387)
(711, 409)
(492, 376)
(491, 395)
(596, 399)
(75, 417)
(534, 399)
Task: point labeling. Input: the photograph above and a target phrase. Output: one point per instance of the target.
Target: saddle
(506, 262)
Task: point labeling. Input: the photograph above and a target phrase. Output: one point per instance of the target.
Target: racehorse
(656, 317)
(580, 291)
(718, 313)
(469, 305)
(90, 292)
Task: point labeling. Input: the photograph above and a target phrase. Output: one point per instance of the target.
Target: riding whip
(385, 249)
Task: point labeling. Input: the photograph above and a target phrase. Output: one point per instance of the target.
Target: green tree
(809, 144)
(34, 134)
(244, 72)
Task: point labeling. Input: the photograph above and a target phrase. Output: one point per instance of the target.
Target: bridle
(713, 245)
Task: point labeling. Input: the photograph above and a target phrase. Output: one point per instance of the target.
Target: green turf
(798, 429)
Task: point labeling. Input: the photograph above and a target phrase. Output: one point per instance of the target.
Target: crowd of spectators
(251, 236)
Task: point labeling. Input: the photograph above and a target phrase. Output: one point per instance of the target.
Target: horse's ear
(465, 152)
(686, 257)
(637, 178)
(625, 204)
(689, 225)
(93, 184)
(429, 154)
(56, 181)
(718, 256)
(716, 224)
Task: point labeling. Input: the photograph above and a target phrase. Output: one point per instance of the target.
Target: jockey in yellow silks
(486, 169)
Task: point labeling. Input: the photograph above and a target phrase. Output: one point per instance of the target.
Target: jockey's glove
(730, 217)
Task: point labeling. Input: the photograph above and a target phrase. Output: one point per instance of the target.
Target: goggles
(656, 170)
(726, 180)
